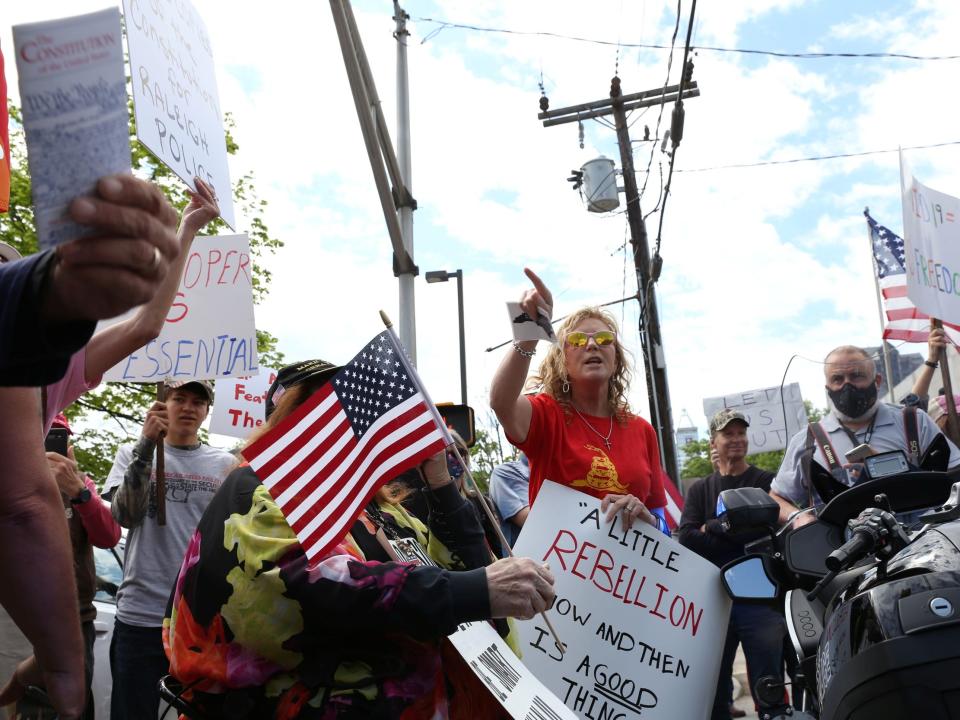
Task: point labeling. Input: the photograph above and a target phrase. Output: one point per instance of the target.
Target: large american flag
(326, 460)
(904, 320)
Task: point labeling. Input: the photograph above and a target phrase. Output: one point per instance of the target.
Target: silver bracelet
(525, 353)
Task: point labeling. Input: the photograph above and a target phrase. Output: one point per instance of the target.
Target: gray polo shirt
(888, 434)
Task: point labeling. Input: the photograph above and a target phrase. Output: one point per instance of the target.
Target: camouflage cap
(724, 417)
(204, 387)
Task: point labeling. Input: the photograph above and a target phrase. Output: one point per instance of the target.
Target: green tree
(116, 410)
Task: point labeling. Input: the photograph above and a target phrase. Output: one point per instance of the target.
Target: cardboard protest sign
(74, 99)
(239, 409)
(643, 618)
(209, 332)
(175, 97)
(527, 328)
(765, 413)
(931, 244)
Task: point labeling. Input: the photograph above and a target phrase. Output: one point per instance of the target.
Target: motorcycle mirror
(747, 578)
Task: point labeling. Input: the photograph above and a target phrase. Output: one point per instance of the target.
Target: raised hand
(538, 297)
(201, 210)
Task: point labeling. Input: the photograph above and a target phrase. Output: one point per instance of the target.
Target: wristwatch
(82, 497)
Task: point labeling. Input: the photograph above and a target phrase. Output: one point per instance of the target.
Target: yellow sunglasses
(600, 337)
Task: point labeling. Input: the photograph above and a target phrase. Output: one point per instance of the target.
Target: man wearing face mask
(856, 417)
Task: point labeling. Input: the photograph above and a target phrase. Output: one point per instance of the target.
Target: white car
(109, 574)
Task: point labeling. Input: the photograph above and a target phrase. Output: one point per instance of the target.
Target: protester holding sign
(759, 628)
(192, 474)
(352, 633)
(579, 430)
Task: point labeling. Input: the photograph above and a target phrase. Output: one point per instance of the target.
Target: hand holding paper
(531, 316)
(123, 262)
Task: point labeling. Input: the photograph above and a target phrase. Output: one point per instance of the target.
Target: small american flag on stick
(325, 461)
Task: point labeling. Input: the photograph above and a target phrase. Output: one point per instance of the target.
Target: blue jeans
(137, 662)
(760, 629)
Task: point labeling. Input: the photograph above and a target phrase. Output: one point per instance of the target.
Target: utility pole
(617, 105)
(395, 199)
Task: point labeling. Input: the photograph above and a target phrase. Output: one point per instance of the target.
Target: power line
(814, 158)
(444, 24)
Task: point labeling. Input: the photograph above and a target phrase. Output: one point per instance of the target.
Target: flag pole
(161, 481)
(953, 426)
(487, 510)
(876, 284)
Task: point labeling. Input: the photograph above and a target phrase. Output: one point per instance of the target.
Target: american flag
(326, 460)
(904, 320)
(674, 506)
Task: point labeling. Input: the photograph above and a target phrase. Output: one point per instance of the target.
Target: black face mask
(853, 401)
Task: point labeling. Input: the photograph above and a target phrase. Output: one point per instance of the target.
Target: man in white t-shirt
(154, 552)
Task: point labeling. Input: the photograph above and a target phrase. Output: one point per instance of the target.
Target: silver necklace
(605, 438)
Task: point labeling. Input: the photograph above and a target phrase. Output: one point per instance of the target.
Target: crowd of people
(217, 591)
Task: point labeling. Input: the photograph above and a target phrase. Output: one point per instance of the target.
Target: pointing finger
(540, 286)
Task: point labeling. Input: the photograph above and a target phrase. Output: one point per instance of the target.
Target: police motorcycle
(872, 604)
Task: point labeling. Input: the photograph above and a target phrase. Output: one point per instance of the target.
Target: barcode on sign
(539, 710)
(500, 668)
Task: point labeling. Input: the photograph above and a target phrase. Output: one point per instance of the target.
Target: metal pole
(407, 323)
(463, 344)
(883, 343)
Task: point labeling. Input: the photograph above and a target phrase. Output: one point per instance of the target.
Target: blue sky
(759, 263)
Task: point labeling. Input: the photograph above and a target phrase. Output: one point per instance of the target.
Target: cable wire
(835, 156)
(444, 24)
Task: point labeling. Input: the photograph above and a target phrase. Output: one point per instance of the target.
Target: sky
(760, 263)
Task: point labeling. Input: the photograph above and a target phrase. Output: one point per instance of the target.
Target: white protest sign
(643, 618)
(931, 244)
(240, 404)
(209, 332)
(765, 413)
(175, 97)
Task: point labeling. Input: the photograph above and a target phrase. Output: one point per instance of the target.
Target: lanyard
(869, 432)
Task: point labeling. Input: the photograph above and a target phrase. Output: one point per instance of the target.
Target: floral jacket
(254, 632)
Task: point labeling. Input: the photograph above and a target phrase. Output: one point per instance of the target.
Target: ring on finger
(155, 261)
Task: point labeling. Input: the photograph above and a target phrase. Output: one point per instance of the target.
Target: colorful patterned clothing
(257, 633)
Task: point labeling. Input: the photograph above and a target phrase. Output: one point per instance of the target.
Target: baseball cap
(295, 374)
(724, 417)
(205, 387)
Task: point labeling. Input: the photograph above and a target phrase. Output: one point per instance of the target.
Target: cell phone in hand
(860, 453)
(56, 441)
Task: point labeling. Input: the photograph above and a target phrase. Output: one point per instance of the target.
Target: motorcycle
(872, 605)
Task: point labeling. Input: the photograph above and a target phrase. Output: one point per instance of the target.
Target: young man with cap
(759, 628)
(193, 472)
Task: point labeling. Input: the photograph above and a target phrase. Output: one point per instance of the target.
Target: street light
(435, 276)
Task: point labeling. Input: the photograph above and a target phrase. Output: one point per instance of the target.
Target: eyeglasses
(600, 337)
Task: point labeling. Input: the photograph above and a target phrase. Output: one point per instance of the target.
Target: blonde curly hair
(552, 373)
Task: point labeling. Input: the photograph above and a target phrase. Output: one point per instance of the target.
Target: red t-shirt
(562, 448)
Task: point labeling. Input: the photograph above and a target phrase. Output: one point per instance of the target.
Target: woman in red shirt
(578, 430)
